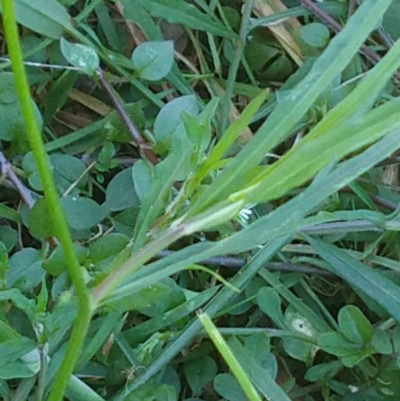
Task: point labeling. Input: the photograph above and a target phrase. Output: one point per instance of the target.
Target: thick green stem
(101, 291)
(52, 201)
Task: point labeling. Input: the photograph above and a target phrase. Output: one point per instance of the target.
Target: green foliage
(48, 18)
(249, 160)
(200, 372)
(80, 56)
(153, 60)
(315, 34)
(169, 124)
(81, 213)
(10, 110)
(227, 386)
(120, 192)
(180, 12)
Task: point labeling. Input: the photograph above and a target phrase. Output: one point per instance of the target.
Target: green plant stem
(229, 358)
(102, 290)
(52, 201)
(24, 389)
(248, 6)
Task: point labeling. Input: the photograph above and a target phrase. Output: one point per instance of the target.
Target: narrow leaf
(371, 282)
(47, 17)
(261, 379)
(293, 107)
(235, 366)
(313, 153)
(183, 13)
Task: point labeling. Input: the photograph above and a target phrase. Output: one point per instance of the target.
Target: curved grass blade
(371, 282)
(285, 220)
(293, 107)
(314, 152)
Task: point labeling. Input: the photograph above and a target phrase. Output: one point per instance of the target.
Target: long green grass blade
(286, 220)
(138, 333)
(181, 12)
(313, 153)
(229, 358)
(234, 130)
(8, 213)
(295, 105)
(364, 95)
(213, 307)
(261, 379)
(371, 282)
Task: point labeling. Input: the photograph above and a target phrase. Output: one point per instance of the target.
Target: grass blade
(378, 287)
(229, 358)
(181, 12)
(261, 379)
(286, 220)
(47, 17)
(293, 107)
(315, 152)
(213, 307)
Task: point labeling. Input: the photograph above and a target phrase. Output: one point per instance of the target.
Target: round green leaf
(153, 60)
(106, 248)
(153, 300)
(28, 163)
(270, 303)
(233, 17)
(258, 54)
(298, 349)
(39, 222)
(315, 34)
(153, 391)
(12, 122)
(198, 372)
(81, 213)
(8, 236)
(169, 123)
(56, 264)
(81, 56)
(25, 269)
(349, 353)
(279, 70)
(66, 170)
(227, 387)
(16, 369)
(258, 345)
(354, 325)
(143, 176)
(381, 342)
(120, 193)
(323, 371)
(124, 222)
